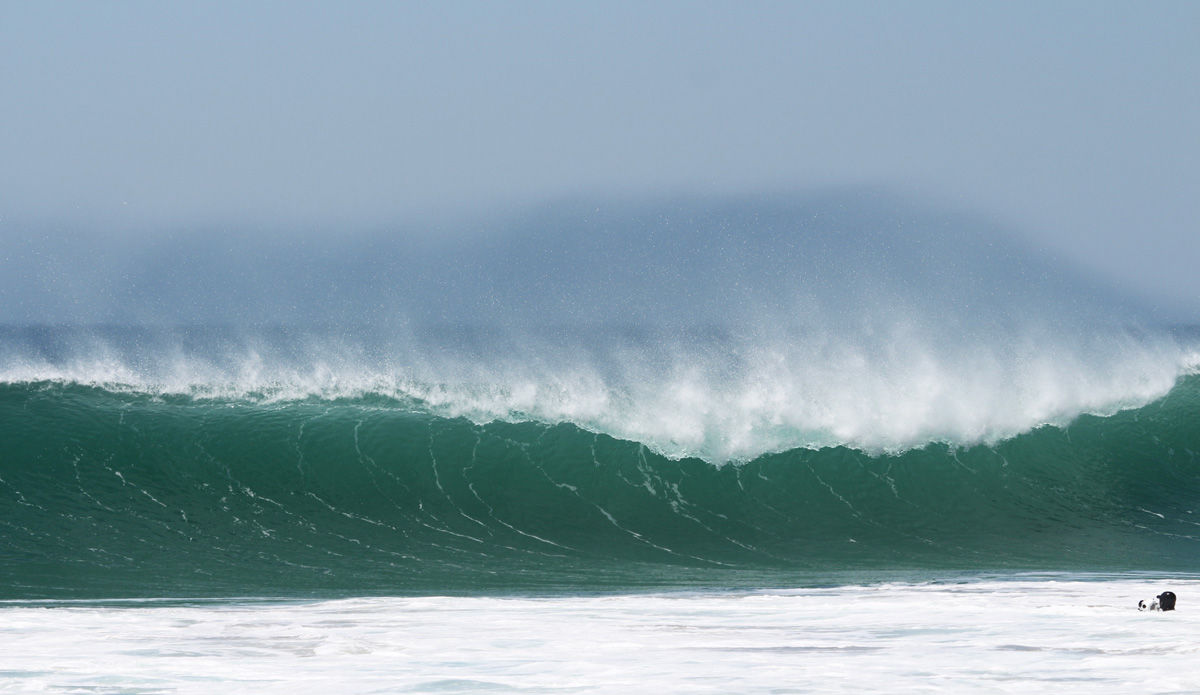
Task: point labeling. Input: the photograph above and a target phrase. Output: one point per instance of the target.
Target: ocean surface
(817, 446)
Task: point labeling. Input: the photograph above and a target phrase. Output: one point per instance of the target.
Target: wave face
(125, 493)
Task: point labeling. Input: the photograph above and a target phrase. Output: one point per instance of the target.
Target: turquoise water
(110, 492)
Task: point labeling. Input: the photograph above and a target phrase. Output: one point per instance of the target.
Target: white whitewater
(1033, 635)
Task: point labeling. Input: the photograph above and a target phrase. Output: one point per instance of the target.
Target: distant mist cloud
(838, 255)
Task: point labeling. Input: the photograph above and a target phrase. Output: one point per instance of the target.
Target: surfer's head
(1166, 601)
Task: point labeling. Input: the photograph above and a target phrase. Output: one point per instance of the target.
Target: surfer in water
(1163, 602)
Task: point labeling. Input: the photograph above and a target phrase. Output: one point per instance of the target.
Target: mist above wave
(846, 258)
(715, 328)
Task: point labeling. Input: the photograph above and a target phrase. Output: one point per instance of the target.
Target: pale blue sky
(1075, 122)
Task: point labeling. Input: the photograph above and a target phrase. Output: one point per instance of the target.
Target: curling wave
(110, 493)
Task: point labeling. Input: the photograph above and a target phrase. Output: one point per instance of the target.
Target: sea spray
(719, 397)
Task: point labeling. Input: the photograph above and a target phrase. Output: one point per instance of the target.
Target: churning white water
(1020, 636)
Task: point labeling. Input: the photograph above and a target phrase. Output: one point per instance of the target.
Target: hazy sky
(1076, 122)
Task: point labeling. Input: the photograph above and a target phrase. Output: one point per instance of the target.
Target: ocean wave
(113, 493)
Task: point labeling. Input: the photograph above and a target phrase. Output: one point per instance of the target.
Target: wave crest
(724, 398)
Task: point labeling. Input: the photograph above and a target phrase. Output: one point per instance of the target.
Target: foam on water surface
(1033, 635)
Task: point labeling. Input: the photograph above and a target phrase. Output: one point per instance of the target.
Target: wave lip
(722, 397)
